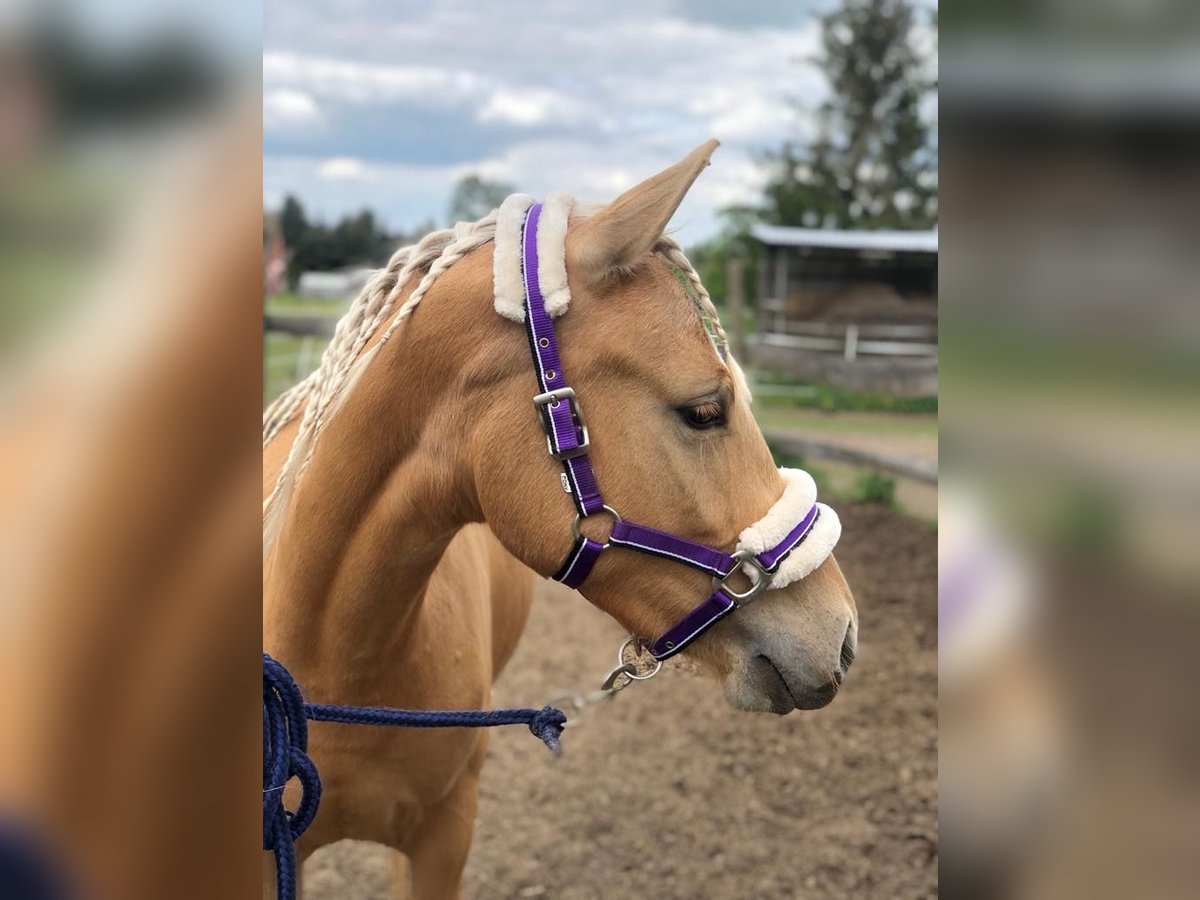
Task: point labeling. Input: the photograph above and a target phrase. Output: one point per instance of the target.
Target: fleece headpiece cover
(551, 253)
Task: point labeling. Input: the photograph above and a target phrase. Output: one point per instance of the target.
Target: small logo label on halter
(566, 481)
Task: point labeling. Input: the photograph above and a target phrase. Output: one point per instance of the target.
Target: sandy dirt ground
(666, 792)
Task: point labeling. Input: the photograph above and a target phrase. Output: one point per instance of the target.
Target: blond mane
(323, 392)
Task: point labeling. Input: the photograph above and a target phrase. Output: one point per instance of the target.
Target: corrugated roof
(895, 241)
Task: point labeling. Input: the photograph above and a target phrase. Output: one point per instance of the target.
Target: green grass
(58, 214)
(770, 391)
(813, 421)
(40, 287)
(1092, 362)
(288, 358)
(866, 487)
(874, 487)
(293, 304)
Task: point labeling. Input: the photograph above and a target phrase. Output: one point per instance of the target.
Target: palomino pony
(382, 588)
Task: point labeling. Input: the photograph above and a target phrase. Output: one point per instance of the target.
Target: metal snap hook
(610, 686)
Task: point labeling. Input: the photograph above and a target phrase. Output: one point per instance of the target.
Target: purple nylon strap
(691, 626)
(579, 562)
(669, 546)
(562, 420)
(584, 490)
(560, 415)
(771, 559)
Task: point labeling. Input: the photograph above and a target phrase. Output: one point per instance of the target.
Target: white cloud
(298, 77)
(535, 106)
(367, 83)
(287, 107)
(341, 167)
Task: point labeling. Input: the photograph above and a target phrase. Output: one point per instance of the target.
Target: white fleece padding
(552, 254)
(552, 251)
(799, 495)
(506, 267)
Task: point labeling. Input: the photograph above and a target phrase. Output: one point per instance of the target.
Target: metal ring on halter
(637, 644)
(744, 558)
(578, 518)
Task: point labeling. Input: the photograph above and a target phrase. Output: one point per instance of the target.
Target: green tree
(474, 197)
(356, 240)
(359, 239)
(873, 161)
(292, 221)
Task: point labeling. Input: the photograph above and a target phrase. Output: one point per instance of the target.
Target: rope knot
(547, 726)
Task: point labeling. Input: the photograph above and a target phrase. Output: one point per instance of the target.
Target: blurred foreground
(130, 286)
(1070, 429)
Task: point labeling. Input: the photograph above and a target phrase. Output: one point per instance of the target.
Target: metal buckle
(746, 559)
(543, 402)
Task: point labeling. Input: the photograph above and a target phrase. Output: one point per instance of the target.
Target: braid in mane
(321, 393)
(668, 248)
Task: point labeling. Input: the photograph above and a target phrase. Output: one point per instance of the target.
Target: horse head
(671, 440)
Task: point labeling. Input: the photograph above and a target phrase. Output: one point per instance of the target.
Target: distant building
(856, 309)
(342, 284)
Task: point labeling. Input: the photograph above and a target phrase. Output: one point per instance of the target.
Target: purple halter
(566, 431)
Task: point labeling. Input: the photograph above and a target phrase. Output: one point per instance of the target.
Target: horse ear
(624, 231)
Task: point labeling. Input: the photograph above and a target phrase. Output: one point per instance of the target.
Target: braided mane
(322, 393)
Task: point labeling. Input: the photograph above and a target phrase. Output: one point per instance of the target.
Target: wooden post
(734, 288)
(764, 290)
(781, 289)
(851, 350)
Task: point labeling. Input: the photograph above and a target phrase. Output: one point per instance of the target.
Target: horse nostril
(847, 654)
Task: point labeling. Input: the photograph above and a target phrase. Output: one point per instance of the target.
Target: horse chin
(758, 685)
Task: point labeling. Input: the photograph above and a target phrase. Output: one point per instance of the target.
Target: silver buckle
(746, 559)
(543, 402)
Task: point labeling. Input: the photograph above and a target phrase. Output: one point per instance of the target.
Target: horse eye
(706, 415)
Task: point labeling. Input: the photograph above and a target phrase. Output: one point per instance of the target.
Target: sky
(385, 104)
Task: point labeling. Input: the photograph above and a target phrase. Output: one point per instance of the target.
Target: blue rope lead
(285, 752)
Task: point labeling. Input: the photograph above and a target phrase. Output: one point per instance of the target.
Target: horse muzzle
(780, 680)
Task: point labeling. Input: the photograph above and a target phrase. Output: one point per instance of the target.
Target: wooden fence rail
(313, 326)
(925, 471)
(848, 340)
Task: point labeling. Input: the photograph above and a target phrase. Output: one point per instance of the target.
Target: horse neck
(389, 484)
